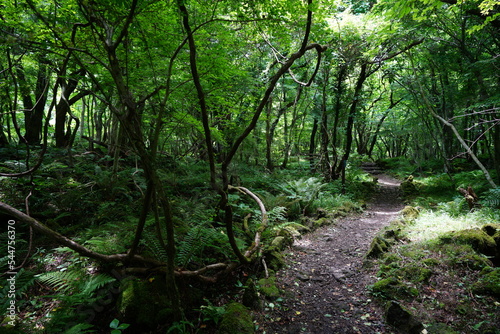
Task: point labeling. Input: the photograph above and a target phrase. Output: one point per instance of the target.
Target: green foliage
(212, 313)
(24, 280)
(74, 289)
(117, 327)
(491, 198)
(202, 244)
(155, 247)
(304, 192)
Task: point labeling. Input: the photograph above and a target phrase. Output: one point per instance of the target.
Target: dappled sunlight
(431, 225)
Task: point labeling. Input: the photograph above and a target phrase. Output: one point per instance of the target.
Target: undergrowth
(439, 268)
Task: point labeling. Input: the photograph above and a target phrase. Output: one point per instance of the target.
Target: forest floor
(324, 283)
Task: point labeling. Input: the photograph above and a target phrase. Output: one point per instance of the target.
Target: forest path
(324, 282)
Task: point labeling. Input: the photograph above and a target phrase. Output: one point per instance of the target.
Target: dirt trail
(324, 282)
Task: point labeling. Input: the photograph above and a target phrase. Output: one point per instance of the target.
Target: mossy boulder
(491, 229)
(392, 288)
(281, 242)
(408, 187)
(410, 213)
(251, 297)
(268, 287)
(378, 247)
(399, 317)
(237, 319)
(488, 283)
(321, 222)
(458, 255)
(479, 240)
(274, 258)
(142, 304)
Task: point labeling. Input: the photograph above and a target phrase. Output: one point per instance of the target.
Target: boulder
(400, 318)
(251, 298)
(237, 319)
(488, 283)
(378, 247)
(267, 286)
(142, 304)
(477, 239)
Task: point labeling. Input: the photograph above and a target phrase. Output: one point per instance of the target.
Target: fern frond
(492, 198)
(154, 245)
(88, 287)
(60, 280)
(198, 239)
(24, 280)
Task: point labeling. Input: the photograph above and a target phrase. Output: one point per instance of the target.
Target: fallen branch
(64, 241)
(264, 220)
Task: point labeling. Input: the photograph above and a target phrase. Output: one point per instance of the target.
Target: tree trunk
(33, 112)
(350, 120)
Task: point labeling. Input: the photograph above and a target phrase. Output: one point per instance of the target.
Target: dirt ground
(324, 282)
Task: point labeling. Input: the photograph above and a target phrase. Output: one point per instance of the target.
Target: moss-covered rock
(378, 247)
(321, 222)
(491, 229)
(267, 286)
(237, 319)
(392, 288)
(251, 297)
(477, 239)
(408, 187)
(488, 283)
(398, 316)
(410, 213)
(280, 243)
(274, 258)
(463, 256)
(142, 304)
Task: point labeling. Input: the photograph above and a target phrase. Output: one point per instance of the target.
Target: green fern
(304, 191)
(153, 244)
(62, 281)
(492, 198)
(74, 281)
(197, 241)
(24, 280)
(75, 289)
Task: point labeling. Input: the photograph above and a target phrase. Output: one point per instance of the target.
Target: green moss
(251, 296)
(378, 246)
(267, 286)
(417, 274)
(431, 262)
(491, 229)
(488, 283)
(280, 243)
(463, 256)
(391, 258)
(393, 288)
(408, 187)
(321, 222)
(477, 239)
(237, 319)
(274, 259)
(141, 303)
(410, 213)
